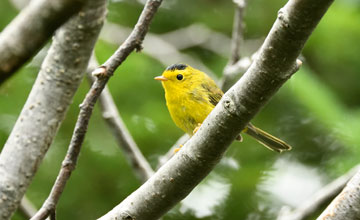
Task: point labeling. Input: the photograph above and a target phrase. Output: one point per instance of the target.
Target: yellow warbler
(191, 95)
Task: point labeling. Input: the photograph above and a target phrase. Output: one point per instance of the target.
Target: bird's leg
(194, 131)
(197, 128)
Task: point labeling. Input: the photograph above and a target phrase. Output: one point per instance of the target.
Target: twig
(46, 106)
(320, 198)
(133, 42)
(125, 141)
(237, 34)
(102, 74)
(346, 205)
(276, 63)
(37, 22)
(27, 208)
(236, 41)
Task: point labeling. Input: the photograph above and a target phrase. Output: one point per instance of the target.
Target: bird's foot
(177, 149)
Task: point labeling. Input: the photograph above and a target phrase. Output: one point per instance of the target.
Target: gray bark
(275, 64)
(46, 106)
(30, 30)
(102, 74)
(346, 205)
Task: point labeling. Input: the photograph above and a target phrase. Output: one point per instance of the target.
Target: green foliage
(317, 112)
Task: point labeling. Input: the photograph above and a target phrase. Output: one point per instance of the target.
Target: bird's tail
(266, 139)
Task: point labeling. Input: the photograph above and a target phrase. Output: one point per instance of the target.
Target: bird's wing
(213, 92)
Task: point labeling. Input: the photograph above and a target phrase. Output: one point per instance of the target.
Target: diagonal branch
(30, 30)
(112, 117)
(275, 64)
(236, 42)
(237, 34)
(46, 106)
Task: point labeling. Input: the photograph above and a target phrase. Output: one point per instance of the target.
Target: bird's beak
(161, 78)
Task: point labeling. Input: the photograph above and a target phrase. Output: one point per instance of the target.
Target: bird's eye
(179, 76)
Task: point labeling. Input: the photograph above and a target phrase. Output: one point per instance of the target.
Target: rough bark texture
(45, 108)
(102, 74)
(30, 30)
(275, 64)
(346, 205)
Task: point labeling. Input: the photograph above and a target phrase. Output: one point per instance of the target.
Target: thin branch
(30, 30)
(133, 42)
(319, 199)
(237, 34)
(112, 117)
(102, 73)
(236, 42)
(276, 63)
(346, 205)
(46, 106)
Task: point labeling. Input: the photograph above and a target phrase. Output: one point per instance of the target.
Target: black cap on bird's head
(176, 72)
(177, 66)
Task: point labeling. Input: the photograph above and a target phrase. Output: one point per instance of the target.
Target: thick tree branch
(30, 30)
(346, 205)
(46, 106)
(102, 73)
(275, 64)
(319, 199)
(90, 20)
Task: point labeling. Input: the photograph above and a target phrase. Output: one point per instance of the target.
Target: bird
(190, 97)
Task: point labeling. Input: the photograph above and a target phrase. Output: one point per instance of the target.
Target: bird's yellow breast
(188, 108)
